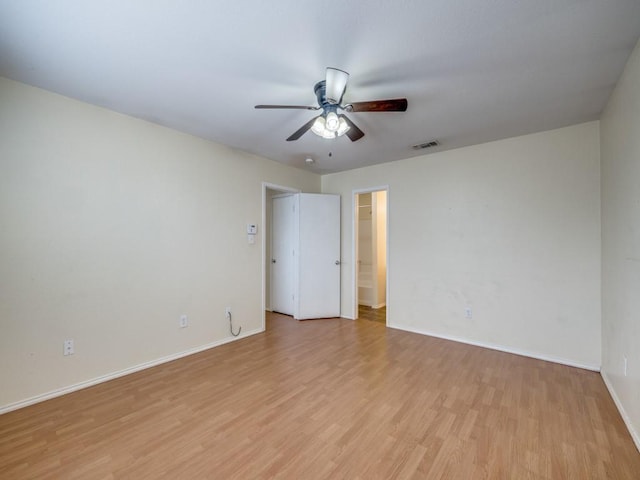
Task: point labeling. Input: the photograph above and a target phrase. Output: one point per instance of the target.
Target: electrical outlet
(227, 312)
(68, 348)
(184, 321)
(468, 313)
(625, 365)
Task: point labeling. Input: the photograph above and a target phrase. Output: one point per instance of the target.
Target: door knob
(337, 262)
(273, 260)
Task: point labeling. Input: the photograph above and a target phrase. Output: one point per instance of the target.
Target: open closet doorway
(371, 254)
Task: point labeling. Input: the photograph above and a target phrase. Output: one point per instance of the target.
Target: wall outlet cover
(68, 348)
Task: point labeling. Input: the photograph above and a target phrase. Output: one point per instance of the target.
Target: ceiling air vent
(420, 146)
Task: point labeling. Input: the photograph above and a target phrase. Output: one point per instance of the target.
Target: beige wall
(620, 153)
(509, 228)
(110, 229)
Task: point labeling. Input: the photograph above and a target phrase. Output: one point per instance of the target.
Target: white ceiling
(472, 70)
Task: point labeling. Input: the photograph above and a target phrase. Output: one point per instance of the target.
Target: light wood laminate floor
(329, 399)
(373, 314)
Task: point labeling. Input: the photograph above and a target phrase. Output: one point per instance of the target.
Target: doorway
(282, 265)
(301, 254)
(269, 191)
(370, 247)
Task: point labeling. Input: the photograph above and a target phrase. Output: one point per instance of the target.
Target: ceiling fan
(330, 123)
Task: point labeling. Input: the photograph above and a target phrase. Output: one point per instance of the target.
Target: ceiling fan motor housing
(321, 93)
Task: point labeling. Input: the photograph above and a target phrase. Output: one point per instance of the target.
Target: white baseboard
(502, 348)
(378, 305)
(120, 373)
(623, 413)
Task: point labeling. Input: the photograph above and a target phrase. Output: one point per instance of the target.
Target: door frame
(269, 255)
(354, 247)
(266, 230)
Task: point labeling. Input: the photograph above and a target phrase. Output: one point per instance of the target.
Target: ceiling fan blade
(394, 105)
(335, 84)
(298, 107)
(354, 133)
(302, 130)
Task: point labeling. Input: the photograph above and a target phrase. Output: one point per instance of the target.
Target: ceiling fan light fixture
(343, 127)
(318, 126)
(336, 83)
(332, 122)
(330, 126)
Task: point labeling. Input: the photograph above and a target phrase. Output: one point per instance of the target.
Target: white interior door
(282, 248)
(318, 256)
